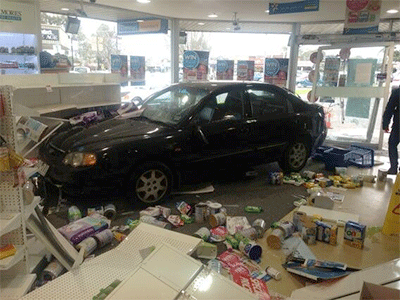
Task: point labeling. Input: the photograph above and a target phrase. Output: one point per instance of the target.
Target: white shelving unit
(15, 279)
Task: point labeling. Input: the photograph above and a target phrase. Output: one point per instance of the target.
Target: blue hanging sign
(142, 26)
(277, 7)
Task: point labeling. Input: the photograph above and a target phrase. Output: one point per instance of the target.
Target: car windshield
(172, 105)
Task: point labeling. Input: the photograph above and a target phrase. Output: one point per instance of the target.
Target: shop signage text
(288, 7)
(11, 15)
(142, 26)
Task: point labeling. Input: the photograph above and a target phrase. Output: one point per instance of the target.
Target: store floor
(236, 190)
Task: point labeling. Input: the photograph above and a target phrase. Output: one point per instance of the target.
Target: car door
(269, 121)
(222, 128)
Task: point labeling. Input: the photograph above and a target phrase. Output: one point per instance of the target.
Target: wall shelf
(9, 262)
(9, 222)
(16, 287)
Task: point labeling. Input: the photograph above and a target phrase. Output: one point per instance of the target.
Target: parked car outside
(185, 127)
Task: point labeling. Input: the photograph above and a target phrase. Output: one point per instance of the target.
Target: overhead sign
(362, 16)
(277, 7)
(18, 17)
(141, 26)
(50, 35)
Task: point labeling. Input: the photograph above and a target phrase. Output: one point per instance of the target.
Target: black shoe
(392, 171)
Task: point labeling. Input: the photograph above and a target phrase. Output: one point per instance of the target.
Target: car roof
(214, 85)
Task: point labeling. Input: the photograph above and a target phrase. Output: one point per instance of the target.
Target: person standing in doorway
(392, 111)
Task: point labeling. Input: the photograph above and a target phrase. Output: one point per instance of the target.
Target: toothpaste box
(354, 234)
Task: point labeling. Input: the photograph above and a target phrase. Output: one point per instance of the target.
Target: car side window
(265, 102)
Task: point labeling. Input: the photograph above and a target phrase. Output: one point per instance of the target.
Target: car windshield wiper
(153, 121)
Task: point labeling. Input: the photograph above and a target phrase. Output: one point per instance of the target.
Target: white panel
(86, 281)
(27, 17)
(143, 285)
(171, 267)
(380, 274)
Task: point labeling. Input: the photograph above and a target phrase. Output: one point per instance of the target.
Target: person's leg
(393, 153)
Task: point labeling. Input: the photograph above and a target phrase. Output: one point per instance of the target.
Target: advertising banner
(195, 65)
(245, 70)
(277, 7)
(119, 64)
(225, 69)
(18, 17)
(276, 70)
(138, 69)
(140, 26)
(362, 16)
(331, 71)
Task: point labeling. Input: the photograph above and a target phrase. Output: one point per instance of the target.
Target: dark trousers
(393, 142)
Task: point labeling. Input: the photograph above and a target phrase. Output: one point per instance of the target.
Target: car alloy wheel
(151, 186)
(297, 155)
(150, 183)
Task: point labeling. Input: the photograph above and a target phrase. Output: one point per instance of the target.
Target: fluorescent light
(213, 15)
(267, 11)
(143, 1)
(392, 11)
(64, 8)
(201, 24)
(139, 21)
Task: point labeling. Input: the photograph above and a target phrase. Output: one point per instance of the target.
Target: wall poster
(245, 70)
(195, 65)
(276, 70)
(362, 16)
(138, 69)
(331, 71)
(225, 69)
(119, 64)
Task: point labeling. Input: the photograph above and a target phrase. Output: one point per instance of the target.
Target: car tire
(150, 183)
(295, 156)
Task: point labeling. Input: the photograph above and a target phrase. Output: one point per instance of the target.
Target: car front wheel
(295, 157)
(151, 183)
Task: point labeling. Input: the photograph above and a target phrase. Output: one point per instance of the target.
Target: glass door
(352, 82)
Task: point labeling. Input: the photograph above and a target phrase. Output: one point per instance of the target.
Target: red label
(356, 5)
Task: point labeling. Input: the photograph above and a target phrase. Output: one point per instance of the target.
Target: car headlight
(78, 159)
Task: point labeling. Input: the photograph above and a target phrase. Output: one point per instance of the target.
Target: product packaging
(354, 234)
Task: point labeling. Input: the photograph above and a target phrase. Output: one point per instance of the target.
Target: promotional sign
(195, 65)
(225, 69)
(331, 71)
(119, 64)
(292, 6)
(362, 16)
(50, 35)
(245, 70)
(138, 68)
(140, 26)
(18, 17)
(276, 70)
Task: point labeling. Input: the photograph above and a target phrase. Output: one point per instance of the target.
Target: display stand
(14, 214)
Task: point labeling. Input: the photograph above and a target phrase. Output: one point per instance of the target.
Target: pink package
(79, 230)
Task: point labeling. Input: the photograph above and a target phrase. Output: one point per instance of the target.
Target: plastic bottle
(253, 209)
(74, 213)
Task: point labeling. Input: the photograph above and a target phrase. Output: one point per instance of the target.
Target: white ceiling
(251, 12)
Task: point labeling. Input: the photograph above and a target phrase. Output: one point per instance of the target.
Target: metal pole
(174, 50)
(294, 55)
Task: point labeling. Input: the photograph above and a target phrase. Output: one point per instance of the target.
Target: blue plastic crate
(319, 152)
(361, 157)
(336, 157)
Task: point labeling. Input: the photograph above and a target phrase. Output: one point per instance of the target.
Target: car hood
(104, 133)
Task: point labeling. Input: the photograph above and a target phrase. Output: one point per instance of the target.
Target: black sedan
(185, 127)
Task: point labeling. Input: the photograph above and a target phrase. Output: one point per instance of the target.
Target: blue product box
(354, 234)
